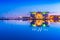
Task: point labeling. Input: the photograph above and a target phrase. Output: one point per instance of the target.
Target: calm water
(24, 32)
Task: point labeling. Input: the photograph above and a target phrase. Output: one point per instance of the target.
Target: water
(24, 32)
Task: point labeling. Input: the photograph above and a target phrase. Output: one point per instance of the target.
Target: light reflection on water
(18, 31)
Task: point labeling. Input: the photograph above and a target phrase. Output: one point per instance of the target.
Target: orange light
(51, 17)
(59, 17)
(39, 22)
(39, 16)
(58, 20)
(51, 20)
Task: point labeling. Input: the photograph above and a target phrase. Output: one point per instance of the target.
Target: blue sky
(6, 6)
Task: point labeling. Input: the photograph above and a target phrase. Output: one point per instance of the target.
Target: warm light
(39, 22)
(58, 20)
(51, 20)
(59, 17)
(51, 17)
(39, 16)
